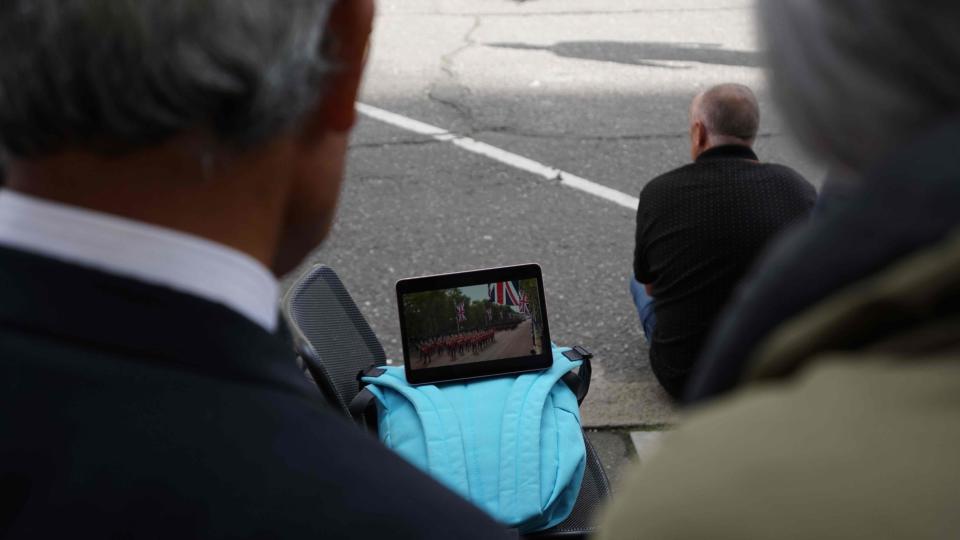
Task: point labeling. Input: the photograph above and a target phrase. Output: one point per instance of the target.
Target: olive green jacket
(848, 427)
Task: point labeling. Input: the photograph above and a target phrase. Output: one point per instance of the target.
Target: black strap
(361, 406)
(361, 409)
(579, 381)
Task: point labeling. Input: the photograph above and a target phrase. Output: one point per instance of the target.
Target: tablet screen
(473, 324)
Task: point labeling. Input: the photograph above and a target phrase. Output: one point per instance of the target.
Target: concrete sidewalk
(620, 450)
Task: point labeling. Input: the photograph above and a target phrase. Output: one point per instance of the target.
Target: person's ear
(698, 136)
(702, 135)
(348, 36)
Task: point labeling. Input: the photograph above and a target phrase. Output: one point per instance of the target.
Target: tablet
(474, 324)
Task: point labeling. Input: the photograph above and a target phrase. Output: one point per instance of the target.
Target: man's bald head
(724, 114)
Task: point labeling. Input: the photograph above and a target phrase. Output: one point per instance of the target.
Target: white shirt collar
(141, 251)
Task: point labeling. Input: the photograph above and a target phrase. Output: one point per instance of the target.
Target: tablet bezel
(487, 368)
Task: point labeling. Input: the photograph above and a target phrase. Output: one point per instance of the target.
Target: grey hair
(855, 77)
(730, 110)
(119, 74)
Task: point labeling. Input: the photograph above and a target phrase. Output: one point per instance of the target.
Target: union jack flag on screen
(524, 304)
(506, 293)
(461, 313)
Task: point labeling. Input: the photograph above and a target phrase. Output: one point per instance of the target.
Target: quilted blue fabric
(512, 445)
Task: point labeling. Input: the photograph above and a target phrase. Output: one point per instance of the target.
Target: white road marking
(498, 154)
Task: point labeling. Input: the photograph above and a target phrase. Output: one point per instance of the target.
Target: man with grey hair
(700, 227)
(839, 361)
(167, 160)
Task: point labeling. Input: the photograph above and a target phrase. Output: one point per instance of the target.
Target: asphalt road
(598, 88)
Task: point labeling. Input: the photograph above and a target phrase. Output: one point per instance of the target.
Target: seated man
(169, 158)
(701, 226)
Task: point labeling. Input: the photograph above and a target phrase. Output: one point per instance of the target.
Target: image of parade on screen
(477, 323)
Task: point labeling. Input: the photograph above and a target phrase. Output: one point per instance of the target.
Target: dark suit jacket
(128, 410)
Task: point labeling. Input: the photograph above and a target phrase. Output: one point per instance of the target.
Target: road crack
(405, 142)
(451, 92)
(506, 130)
(567, 13)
